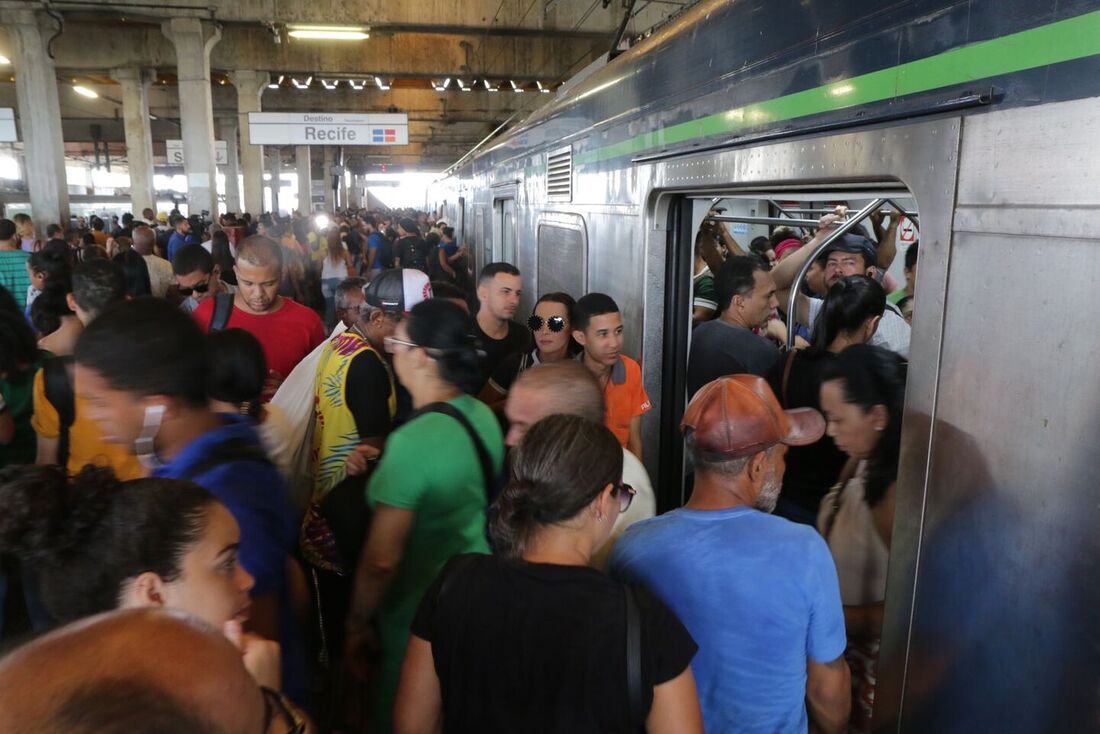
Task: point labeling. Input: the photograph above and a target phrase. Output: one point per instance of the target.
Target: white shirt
(160, 275)
(643, 506)
(858, 550)
(892, 332)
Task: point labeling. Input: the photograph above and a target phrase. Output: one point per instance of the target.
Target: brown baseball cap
(738, 416)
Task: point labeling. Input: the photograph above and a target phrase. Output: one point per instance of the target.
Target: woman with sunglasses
(428, 493)
(551, 328)
(532, 638)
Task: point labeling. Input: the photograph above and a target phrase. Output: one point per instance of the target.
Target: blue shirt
(175, 242)
(255, 494)
(374, 241)
(758, 593)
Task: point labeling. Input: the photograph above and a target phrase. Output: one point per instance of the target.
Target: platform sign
(327, 128)
(7, 125)
(174, 149)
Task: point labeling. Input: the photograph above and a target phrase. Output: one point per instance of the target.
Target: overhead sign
(327, 128)
(7, 125)
(174, 149)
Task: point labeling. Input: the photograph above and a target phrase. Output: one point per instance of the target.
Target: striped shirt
(14, 275)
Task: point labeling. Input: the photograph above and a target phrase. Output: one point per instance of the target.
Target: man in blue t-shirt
(182, 227)
(757, 592)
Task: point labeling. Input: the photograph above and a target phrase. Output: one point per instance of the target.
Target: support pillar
(227, 129)
(275, 167)
(330, 191)
(193, 39)
(139, 135)
(39, 116)
(305, 178)
(250, 86)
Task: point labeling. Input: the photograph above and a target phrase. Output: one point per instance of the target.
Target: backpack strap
(223, 309)
(787, 375)
(236, 449)
(482, 452)
(633, 660)
(59, 392)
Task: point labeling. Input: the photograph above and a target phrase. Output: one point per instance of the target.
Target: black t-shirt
(509, 368)
(413, 252)
(719, 348)
(540, 648)
(518, 339)
(367, 393)
(811, 470)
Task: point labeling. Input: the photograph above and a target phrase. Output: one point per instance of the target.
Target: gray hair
(706, 461)
(346, 287)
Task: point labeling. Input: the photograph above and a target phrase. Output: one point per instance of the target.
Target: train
(979, 117)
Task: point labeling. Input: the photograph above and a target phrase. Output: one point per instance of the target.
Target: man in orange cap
(757, 592)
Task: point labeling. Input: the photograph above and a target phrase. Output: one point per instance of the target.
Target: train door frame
(505, 226)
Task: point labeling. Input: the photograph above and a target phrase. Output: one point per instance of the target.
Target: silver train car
(984, 118)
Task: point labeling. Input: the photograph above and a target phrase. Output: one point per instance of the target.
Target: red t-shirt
(287, 335)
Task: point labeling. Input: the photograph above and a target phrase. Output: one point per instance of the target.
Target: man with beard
(498, 292)
(758, 593)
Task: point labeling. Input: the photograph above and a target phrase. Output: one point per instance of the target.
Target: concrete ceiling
(411, 45)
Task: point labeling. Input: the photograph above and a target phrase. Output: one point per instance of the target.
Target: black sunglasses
(626, 496)
(554, 323)
(202, 287)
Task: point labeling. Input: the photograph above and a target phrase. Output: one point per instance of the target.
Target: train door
(504, 229)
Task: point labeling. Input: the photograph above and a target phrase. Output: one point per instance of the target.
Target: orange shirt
(624, 398)
(86, 445)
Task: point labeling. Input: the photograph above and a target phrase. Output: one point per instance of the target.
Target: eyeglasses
(554, 323)
(390, 344)
(276, 708)
(202, 287)
(626, 496)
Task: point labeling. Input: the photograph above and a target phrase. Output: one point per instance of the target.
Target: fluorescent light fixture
(489, 87)
(4, 60)
(328, 33)
(275, 85)
(544, 90)
(84, 91)
(462, 85)
(301, 85)
(381, 84)
(329, 85)
(357, 86)
(515, 87)
(441, 86)
(321, 220)
(153, 117)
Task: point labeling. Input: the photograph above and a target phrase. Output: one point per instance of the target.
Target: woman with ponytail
(533, 638)
(862, 397)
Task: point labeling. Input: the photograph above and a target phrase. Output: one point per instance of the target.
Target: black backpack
(58, 384)
(413, 253)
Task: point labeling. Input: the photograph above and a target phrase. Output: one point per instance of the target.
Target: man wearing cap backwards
(287, 330)
(355, 404)
(757, 592)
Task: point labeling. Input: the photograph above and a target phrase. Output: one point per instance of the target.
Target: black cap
(409, 226)
(856, 244)
(398, 290)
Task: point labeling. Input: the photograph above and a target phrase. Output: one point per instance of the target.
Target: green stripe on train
(1065, 40)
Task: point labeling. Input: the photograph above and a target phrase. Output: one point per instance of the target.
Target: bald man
(141, 670)
(569, 388)
(160, 270)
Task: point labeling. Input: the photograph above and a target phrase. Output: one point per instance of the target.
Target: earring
(599, 516)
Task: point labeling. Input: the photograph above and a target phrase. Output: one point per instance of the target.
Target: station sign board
(7, 125)
(327, 128)
(174, 149)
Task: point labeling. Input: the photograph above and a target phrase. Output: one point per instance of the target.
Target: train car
(981, 116)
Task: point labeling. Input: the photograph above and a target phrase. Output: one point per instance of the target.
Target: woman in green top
(428, 493)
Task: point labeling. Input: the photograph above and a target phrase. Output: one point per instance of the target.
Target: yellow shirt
(86, 445)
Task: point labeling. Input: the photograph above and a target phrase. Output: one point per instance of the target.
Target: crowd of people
(328, 446)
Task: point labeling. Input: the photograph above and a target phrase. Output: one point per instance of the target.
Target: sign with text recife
(7, 125)
(327, 128)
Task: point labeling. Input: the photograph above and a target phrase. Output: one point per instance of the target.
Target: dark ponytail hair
(848, 305)
(238, 369)
(443, 329)
(561, 465)
(873, 376)
(88, 535)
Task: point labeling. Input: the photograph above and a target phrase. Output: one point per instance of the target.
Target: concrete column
(330, 192)
(139, 134)
(193, 39)
(275, 168)
(39, 116)
(354, 193)
(227, 130)
(305, 179)
(250, 86)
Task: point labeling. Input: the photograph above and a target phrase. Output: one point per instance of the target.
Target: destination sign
(328, 128)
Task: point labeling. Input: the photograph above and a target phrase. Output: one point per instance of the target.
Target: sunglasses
(390, 343)
(554, 323)
(202, 287)
(626, 496)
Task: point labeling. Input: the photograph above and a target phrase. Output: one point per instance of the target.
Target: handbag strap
(787, 376)
(479, 446)
(633, 660)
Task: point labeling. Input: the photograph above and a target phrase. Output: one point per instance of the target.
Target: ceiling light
(4, 60)
(301, 85)
(515, 87)
(357, 86)
(544, 90)
(490, 87)
(462, 85)
(328, 33)
(84, 91)
(441, 86)
(329, 85)
(275, 85)
(381, 84)
(152, 117)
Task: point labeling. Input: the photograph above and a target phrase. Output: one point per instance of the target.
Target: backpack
(223, 309)
(58, 386)
(413, 255)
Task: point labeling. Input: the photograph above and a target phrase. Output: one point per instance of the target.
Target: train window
(562, 256)
(505, 229)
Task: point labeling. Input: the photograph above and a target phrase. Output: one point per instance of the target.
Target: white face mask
(143, 445)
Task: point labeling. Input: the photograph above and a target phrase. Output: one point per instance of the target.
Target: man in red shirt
(287, 330)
